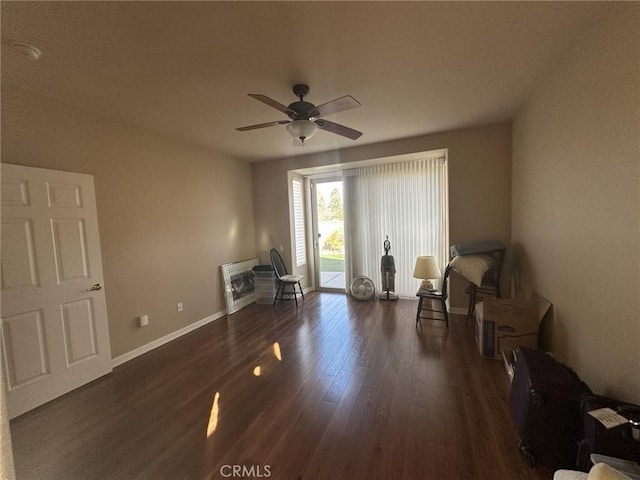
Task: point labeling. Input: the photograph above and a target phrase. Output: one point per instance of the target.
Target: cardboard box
(505, 323)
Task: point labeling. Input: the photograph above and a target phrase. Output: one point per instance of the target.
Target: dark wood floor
(357, 393)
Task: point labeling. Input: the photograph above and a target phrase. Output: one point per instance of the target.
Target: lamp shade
(302, 129)
(426, 268)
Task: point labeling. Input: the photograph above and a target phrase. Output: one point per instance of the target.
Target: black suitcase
(545, 407)
(615, 442)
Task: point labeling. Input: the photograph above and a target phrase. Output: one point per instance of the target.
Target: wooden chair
(441, 300)
(283, 279)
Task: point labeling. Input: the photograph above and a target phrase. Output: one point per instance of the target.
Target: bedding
(472, 267)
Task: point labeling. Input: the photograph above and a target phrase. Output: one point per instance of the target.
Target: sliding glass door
(328, 233)
(354, 210)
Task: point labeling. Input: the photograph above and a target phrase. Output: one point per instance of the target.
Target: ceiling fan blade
(334, 106)
(272, 103)
(262, 125)
(338, 129)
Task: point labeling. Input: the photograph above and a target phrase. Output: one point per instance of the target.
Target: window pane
(298, 220)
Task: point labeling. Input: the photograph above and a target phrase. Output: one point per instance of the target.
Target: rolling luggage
(545, 407)
(622, 441)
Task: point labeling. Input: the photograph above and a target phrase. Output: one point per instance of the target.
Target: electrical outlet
(179, 306)
(143, 320)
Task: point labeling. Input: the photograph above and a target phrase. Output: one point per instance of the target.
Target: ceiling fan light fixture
(305, 118)
(302, 129)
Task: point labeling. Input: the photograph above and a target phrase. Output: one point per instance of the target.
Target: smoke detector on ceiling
(29, 51)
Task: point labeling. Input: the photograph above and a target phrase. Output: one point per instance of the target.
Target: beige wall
(169, 214)
(479, 187)
(576, 204)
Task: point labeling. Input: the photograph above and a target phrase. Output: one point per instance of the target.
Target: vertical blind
(298, 220)
(407, 201)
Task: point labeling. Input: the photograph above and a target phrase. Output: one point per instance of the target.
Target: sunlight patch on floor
(213, 417)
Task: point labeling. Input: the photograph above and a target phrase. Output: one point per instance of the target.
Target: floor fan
(362, 288)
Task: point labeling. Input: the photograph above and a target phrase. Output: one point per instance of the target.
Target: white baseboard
(166, 339)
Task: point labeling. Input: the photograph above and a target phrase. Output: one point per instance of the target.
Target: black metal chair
(283, 279)
(439, 296)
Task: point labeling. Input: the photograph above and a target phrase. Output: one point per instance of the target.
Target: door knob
(93, 288)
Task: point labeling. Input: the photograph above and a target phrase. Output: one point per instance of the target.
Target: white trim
(166, 339)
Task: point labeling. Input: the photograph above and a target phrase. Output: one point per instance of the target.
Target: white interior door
(55, 335)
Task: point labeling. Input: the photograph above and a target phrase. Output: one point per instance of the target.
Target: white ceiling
(184, 68)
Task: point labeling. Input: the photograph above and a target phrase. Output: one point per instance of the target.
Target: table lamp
(426, 268)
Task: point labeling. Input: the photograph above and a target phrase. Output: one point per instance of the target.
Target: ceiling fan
(305, 118)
